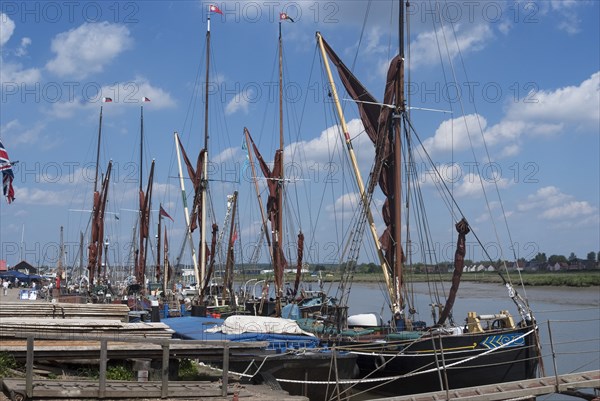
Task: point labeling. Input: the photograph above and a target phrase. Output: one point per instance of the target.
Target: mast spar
(277, 243)
(204, 179)
(398, 118)
(382, 124)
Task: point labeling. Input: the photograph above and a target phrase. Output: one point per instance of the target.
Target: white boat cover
(364, 320)
(239, 324)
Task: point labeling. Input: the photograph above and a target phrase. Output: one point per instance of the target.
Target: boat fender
(379, 362)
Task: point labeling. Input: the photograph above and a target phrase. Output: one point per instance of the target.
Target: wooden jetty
(87, 328)
(523, 389)
(63, 310)
(87, 389)
(85, 348)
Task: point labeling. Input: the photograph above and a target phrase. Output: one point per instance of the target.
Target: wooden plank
(117, 389)
(503, 391)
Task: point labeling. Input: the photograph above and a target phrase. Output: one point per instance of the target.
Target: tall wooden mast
(204, 183)
(278, 233)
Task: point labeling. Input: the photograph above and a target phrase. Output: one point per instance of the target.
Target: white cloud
(41, 197)
(544, 113)
(7, 27)
(87, 49)
(569, 210)
(455, 133)
(319, 150)
(505, 27)
(563, 4)
(22, 50)
(229, 154)
(14, 74)
(552, 204)
(344, 206)
(123, 94)
(570, 22)
(20, 135)
(472, 185)
(577, 105)
(240, 101)
(424, 49)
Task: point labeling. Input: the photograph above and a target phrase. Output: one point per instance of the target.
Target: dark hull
(307, 366)
(254, 308)
(483, 362)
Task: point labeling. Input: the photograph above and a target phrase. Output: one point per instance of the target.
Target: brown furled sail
(228, 278)
(299, 263)
(103, 199)
(145, 204)
(196, 178)
(377, 120)
(157, 271)
(97, 229)
(274, 185)
(462, 227)
(167, 269)
(211, 266)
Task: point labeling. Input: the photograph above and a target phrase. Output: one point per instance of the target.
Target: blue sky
(528, 75)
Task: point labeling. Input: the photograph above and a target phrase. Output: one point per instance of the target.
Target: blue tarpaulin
(194, 328)
(23, 278)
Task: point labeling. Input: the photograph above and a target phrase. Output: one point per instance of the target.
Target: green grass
(565, 279)
(119, 372)
(7, 363)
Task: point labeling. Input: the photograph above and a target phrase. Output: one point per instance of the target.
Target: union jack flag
(7, 175)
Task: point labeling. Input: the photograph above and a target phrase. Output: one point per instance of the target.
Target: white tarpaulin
(259, 324)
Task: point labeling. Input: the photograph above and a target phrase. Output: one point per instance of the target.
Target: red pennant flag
(214, 9)
(163, 212)
(106, 100)
(145, 99)
(284, 16)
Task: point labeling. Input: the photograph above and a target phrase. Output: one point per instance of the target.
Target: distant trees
(540, 258)
(553, 259)
(319, 268)
(540, 262)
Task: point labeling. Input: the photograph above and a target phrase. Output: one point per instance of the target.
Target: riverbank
(560, 279)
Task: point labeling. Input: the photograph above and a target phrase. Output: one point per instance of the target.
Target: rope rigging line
(475, 157)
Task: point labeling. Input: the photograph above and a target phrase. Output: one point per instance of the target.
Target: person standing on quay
(5, 287)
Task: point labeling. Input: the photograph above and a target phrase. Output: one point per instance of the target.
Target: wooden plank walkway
(82, 389)
(61, 350)
(506, 391)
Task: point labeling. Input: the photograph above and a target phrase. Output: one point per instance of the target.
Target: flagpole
(141, 143)
(98, 150)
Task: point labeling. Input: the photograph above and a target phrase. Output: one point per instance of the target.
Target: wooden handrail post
(444, 370)
(29, 368)
(164, 390)
(103, 362)
(225, 379)
(553, 357)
